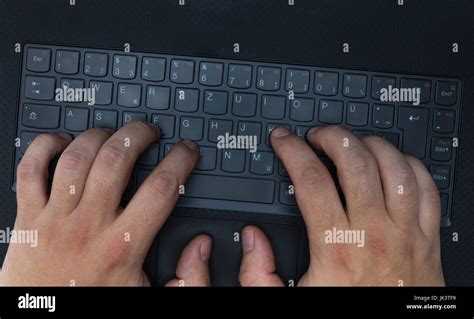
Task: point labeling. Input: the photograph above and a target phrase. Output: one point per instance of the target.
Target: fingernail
(191, 145)
(152, 126)
(313, 130)
(205, 250)
(108, 130)
(280, 132)
(247, 240)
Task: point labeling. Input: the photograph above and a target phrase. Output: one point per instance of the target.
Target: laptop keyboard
(201, 99)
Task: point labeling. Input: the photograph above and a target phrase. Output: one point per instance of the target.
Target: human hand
(84, 237)
(392, 203)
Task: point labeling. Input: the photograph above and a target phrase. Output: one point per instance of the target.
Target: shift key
(414, 123)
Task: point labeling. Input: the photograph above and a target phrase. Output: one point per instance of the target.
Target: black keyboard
(201, 98)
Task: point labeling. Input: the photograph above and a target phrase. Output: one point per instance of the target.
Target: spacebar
(230, 188)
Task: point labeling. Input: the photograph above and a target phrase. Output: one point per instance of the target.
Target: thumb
(258, 263)
(193, 267)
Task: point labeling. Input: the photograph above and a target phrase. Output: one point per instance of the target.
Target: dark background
(414, 38)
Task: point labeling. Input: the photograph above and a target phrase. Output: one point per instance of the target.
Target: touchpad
(226, 254)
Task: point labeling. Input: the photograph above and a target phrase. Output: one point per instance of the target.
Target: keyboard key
(40, 88)
(250, 129)
(330, 111)
(302, 130)
(26, 138)
(210, 73)
(287, 195)
(219, 128)
(150, 156)
(261, 163)
(105, 119)
(302, 109)
(381, 82)
(382, 115)
(440, 175)
(446, 93)
(76, 119)
(444, 121)
(103, 92)
(191, 128)
(357, 113)
(67, 62)
(182, 71)
(186, 100)
(129, 95)
(326, 83)
(297, 80)
(240, 76)
(215, 102)
(355, 85)
(158, 97)
(95, 64)
(244, 104)
(423, 85)
(165, 123)
(207, 159)
(441, 149)
(392, 138)
(41, 116)
(414, 123)
(128, 117)
(268, 78)
(281, 169)
(75, 85)
(233, 161)
(125, 66)
(153, 69)
(38, 60)
(230, 188)
(270, 128)
(273, 107)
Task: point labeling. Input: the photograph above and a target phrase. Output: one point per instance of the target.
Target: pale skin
(88, 239)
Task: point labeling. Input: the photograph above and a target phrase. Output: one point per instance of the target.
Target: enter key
(414, 123)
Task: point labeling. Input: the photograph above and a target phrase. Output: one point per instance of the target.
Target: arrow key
(443, 121)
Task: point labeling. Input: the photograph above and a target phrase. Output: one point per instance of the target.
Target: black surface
(415, 38)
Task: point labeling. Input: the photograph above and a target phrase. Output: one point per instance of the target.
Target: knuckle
(73, 158)
(28, 168)
(165, 184)
(359, 161)
(113, 154)
(116, 252)
(315, 176)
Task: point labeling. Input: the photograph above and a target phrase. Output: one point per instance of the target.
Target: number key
(182, 71)
(268, 78)
(210, 73)
(297, 80)
(240, 76)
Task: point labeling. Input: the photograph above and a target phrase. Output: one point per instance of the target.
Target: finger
(258, 263)
(157, 196)
(73, 168)
(398, 180)
(32, 172)
(428, 197)
(315, 190)
(357, 171)
(111, 170)
(193, 267)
